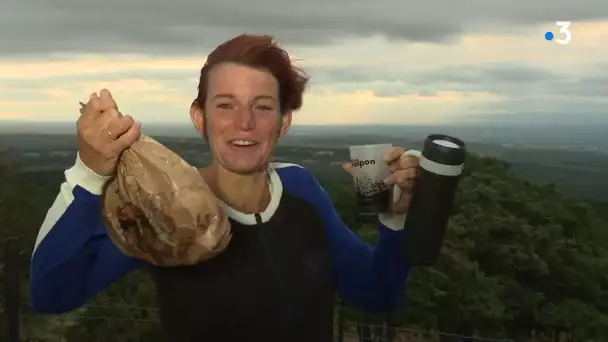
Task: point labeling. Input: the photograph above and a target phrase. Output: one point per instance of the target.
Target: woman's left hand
(404, 170)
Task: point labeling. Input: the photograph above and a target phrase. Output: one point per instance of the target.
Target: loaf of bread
(159, 209)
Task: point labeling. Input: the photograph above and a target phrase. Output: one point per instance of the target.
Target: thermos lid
(444, 149)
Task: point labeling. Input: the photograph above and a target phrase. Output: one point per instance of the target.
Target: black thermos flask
(441, 165)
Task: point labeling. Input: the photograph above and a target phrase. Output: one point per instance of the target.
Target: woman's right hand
(104, 133)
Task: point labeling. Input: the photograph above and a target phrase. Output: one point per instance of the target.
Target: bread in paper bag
(159, 209)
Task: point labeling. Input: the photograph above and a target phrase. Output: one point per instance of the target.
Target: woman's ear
(198, 117)
(285, 123)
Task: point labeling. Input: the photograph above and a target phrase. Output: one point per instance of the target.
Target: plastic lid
(446, 143)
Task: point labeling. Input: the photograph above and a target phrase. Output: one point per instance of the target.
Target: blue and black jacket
(275, 281)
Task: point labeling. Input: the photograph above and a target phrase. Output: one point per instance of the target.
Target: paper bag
(159, 209)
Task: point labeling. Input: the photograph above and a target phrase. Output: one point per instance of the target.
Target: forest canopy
(519, 260)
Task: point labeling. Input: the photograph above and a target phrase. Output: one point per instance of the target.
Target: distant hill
(582, 137)
(576, 172)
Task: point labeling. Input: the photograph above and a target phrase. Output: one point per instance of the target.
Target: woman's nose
(245, 119)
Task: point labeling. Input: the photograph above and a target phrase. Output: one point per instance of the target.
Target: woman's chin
(255, 160)
(244, 166)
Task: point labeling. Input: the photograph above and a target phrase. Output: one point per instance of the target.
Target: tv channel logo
(564, 29)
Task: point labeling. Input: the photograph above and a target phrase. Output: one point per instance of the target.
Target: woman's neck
(245, 193)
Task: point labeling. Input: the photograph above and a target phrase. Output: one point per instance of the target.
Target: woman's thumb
(348, 167)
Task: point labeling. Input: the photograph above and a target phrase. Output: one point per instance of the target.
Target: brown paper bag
(159, 209)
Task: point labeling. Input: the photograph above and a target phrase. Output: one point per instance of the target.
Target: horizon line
(359, 124)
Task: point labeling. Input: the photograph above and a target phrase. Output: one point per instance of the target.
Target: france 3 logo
(564, 30)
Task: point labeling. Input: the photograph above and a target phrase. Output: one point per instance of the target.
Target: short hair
(261, 52)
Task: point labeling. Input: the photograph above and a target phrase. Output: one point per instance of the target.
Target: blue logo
(564, 29)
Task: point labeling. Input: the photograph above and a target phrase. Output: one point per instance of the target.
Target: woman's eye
(263, 107)
(224, 106)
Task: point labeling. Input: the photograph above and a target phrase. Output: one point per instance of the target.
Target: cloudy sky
(381, 61)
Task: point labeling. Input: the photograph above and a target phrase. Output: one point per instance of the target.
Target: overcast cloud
(399, 61)
(163, 26)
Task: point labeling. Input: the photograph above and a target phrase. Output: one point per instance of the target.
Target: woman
(290, 250)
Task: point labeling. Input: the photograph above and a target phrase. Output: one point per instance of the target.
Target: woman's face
(241, 117)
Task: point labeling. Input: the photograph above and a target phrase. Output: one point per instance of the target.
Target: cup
(441, 165)
(369, 171)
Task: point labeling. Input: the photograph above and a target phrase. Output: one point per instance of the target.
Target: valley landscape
(523, 258)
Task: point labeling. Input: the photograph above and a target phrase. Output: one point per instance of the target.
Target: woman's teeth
(243, 142)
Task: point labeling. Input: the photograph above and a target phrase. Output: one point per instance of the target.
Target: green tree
(520, 261)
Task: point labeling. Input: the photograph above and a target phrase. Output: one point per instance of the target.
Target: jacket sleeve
(372, 278)
(74, 258)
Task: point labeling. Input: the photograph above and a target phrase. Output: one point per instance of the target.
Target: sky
(381, 61)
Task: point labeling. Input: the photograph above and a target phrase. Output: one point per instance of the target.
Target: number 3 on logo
(564, 27)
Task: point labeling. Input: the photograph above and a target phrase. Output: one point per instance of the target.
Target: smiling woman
(290, 250)
(248, 90)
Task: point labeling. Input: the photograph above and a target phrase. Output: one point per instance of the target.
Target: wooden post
(12, 290)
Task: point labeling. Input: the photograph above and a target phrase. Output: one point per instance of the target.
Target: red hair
(261, 52)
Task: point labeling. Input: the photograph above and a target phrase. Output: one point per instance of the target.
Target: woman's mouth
(242, 144)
